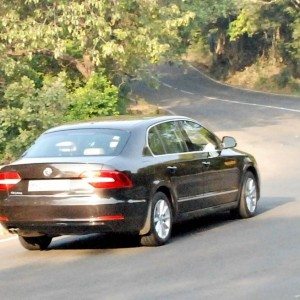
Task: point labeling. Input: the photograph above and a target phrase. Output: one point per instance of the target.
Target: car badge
(47, 172)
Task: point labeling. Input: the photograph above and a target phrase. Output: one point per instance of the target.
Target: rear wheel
(35, 243)
(249, 197)
(161, 221)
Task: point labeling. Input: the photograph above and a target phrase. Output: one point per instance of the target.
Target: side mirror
(228, 142)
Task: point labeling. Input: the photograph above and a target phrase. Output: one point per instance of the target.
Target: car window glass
(155, 142)
(171, 137)
(199, 138)
(79, 142)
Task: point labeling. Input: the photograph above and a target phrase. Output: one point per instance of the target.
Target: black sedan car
(136, 176)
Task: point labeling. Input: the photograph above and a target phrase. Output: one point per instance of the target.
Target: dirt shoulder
(264, 75)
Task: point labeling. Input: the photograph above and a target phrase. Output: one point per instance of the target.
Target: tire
(248, 197)
(35, 243)
(161, 221)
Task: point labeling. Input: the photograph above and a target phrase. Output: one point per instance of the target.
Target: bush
(27, 111)
(97, 98)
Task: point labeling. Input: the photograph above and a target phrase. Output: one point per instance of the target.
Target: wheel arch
(253, 170)
(167, 190)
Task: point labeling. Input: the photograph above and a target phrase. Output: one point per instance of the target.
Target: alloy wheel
(251, 194)
(162, 219)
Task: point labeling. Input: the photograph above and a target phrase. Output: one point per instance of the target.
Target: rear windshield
(79, 142)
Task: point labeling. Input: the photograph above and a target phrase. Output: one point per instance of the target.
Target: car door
(219, 174)
(175, 161)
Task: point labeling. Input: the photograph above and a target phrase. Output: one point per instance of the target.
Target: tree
(27, 111)
(94, 42)
(276, 23)
(123, 37)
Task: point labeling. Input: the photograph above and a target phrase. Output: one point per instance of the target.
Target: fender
(147, 225)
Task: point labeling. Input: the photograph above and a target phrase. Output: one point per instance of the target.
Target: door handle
(206, 163)
(172, 169)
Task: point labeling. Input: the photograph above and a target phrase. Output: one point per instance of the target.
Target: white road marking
(174, 88)
(236, 87)
(167, 85)
(8, 239)
(231, 101)
(253, 104)
(186, 92)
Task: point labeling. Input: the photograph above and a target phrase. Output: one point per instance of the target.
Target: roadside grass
(266, 75)
(140, 106)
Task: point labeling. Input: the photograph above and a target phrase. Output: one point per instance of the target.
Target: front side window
(79, 142)
(199, 138)
(171, 137)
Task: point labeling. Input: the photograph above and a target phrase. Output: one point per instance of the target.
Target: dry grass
(265, 75)
(141, 107)
(202, 59)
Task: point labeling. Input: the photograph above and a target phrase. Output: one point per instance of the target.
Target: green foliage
(277, 21)
(40, 39)
(71, 60)
(97, 98)
(27, 111)
(241, 32)
(123, 37)
(244, 23)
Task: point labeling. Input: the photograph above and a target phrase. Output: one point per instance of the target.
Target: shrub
(97, 98)
(27, 111)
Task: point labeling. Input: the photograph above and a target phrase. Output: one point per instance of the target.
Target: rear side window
(79, 142)
(166, 138)
(155, 142)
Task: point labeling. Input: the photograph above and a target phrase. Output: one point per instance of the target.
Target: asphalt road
(214, 257)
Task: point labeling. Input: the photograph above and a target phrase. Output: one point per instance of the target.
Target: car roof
(118, 123)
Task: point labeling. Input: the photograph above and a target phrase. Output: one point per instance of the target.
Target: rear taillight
(107, 179)
(3, 219)
(8, 180)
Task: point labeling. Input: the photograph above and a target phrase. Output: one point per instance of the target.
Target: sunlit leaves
(97, 98)
(111, 33)
(27, 111)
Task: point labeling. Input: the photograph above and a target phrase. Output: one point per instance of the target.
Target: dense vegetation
(243, 33)
(65, 60)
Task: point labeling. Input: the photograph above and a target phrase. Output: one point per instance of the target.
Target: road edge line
(239, 88)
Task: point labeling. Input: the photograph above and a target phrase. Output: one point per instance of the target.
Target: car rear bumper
(82, 215)
(67, 227)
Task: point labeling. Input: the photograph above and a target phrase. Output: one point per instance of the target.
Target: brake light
(3, 219)
(107, 179)
(8, 180)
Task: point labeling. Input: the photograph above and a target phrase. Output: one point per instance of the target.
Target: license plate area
(54, 185)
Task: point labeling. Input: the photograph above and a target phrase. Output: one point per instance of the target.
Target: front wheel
(161, 221)
(249, 196)
(35, 243)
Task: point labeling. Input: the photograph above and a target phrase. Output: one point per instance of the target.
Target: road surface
(214, 257)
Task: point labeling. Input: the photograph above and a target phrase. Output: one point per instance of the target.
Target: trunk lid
(56, 176)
